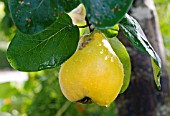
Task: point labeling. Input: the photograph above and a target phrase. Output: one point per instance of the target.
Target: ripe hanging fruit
(93, 73)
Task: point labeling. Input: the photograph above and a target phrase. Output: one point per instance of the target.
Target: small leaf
(136, 36)
(111, 32)
(156, 71)
(106, 13)
(78, 15)
(44, 50)
(124, 57)
(32, 16)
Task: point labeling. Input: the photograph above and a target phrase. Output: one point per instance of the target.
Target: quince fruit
(93, 73)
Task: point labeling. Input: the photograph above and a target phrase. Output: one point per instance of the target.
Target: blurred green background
(163, 10)
(38, 94)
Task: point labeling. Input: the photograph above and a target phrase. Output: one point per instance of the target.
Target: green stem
(63, 108)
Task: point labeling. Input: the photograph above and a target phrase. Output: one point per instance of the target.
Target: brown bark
(142, 97)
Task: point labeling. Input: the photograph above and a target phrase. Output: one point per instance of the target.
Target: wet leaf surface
(32, 16)
(136, 36)
(106, 13)
(44, 50)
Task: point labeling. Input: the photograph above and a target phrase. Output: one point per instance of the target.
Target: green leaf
(32, 16)
(44, 50)
(136, 36)
(156, 71)
(124, 57)
(7, 90)
(106, 13)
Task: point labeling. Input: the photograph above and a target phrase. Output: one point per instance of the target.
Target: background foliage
(163, 8)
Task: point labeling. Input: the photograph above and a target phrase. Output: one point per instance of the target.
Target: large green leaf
(32, 16)
(156, 71)
(106, 13)
(136, 36)
(44, 50)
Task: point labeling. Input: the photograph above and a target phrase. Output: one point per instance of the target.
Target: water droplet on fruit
(102, 51)
(100, 44)
(106, 58)
(112, 60)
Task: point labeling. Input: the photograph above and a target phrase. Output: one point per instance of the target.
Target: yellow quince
(93, 73)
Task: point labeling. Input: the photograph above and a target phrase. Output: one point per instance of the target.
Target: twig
(84, 26)
(63, 108)
(88, 23)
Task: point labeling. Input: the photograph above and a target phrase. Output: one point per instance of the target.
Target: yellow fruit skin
(93, 71)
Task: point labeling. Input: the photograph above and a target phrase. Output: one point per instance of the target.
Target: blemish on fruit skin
(83, 44)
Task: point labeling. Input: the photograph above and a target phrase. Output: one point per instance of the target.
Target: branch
(88, 23)
(84, 26)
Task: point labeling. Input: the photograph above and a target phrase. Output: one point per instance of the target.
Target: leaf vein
(45, 40)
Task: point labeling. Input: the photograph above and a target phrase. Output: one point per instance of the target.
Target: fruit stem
(91, 28)
(88, 23)
(84, 26)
